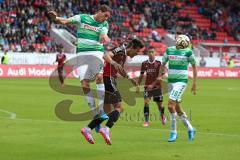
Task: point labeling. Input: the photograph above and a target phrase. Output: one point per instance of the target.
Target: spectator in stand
(224, 13)
(223, 62)
(5, 58)
(155, 36)
(143, 23)
(213, 35)
(202, 62)
(135, 25)
(24, 25)
(231, 63)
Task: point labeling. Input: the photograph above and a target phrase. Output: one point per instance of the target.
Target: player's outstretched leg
(87, 134)
(86, 131)
(113, 118)
(158, 101)
(60, 75)
(162, 115)
(173, 123)
(105, 132)
(191, 134)
(186, 122)
(102, 117)
(191, 130)
(146, 114)
(173, 132)
(100, 95)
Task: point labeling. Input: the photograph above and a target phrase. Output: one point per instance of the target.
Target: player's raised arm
(56, 19)
(64, 21)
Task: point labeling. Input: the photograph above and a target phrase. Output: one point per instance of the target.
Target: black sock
(61, 79)
(161, 111)
(113, 117)
(60, 74)
(146, 112)
(95, 122)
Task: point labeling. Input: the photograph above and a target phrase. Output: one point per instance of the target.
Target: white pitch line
(34, 120)
(139, 128)
(12, 115)
(233, 89)
(208, 133)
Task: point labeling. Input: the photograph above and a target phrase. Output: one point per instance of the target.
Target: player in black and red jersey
(114, 63)
(151, 67)
(60, 59)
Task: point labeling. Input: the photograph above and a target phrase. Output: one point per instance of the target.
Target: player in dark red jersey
(60, 59)
(151, 67)
(114, 63)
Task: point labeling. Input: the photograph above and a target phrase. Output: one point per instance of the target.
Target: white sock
(173, 124)
(107, 129)
(100, 95)
(90, 100)
(186, 122)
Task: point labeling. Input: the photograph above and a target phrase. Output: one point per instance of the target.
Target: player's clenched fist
(52, 15)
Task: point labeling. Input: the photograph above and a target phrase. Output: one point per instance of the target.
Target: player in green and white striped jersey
(178, 58)
(91, 35)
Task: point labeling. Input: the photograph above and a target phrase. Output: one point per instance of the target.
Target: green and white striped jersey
(178, 61)
(88, 32)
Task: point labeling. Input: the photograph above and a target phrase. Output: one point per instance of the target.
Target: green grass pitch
(37, 134)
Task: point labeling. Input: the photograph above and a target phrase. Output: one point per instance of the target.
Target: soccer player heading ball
(178, 58)
(115, 61)
(92, 33)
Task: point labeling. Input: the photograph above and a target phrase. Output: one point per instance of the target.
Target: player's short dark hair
(105, 8)
(135, 43)
(179, 32)
(60, 48)
(151, 47)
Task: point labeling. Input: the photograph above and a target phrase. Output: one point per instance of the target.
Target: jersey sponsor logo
(178, 58)
(92, 28)
(150, 70)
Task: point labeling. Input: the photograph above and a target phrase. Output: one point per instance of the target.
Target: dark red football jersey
(120, 57)
(152, 71)
(60, 58)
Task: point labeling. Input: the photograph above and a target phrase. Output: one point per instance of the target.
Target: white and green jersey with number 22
(178, 61)
(88, 32)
